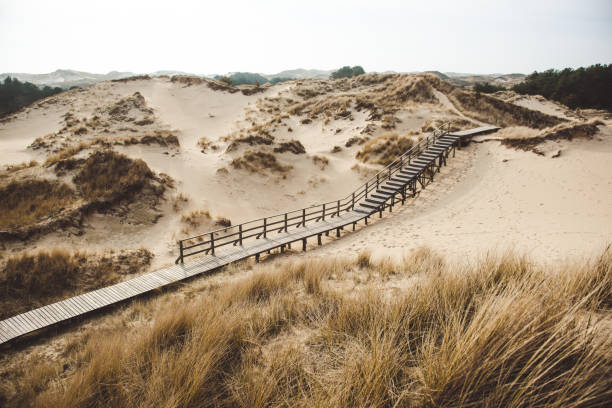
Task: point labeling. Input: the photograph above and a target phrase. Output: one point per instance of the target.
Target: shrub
(28, 202)
(347, 72)
(589, 87)
(256, 162)
(107, 175)
(385, 148)
(293, 146)
(486, 87)
(15, 94)
(223, 222)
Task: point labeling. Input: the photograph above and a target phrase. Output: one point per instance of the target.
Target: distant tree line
(15, 94)
(249, 78)
(589, 87)
(347, 72)
(486, 87)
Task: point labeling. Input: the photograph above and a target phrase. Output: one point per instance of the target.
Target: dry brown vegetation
(258, 162)
(528, 142)
(13, 168)
(454, 124)
(108, 176)
(32, 280)
(420, 333)
(72, 150)
(163, 138)
(122, 109)
(29, 201)
(320, 161)
(196, 217)
(385, 148)
(293, 146)
(492, 110)
(33, 204)
(206, 144)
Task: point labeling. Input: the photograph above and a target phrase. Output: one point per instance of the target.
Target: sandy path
(493, 198)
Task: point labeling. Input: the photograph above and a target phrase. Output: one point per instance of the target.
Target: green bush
(347, 72)
(589, 87)
(485, 87)
(15, 94)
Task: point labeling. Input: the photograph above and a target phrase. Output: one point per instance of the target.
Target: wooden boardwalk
(397, 182)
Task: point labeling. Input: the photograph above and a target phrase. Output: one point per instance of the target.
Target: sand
(491, 198)
(488, 198)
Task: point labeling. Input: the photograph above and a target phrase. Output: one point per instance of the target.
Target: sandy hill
(98, 183)
(215, 153)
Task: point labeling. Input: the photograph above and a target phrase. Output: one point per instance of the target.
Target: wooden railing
(263, 227)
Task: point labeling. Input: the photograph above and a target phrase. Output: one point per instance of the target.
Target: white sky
(206, 37)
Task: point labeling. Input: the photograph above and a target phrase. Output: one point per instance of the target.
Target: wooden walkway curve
(400, 180)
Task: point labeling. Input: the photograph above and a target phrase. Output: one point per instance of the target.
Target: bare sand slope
(494, 198)
(543, 105)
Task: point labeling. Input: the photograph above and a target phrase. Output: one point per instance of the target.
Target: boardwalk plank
(34, 317)
(50, 316)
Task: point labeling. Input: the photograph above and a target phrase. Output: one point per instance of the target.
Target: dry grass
(107, 176)
(13, 168)
(293, 146)
(206, 144)
(320, 161)
(164, 138)
(196, 218)
(27, 202)
(494, 334)
(385, 148)
(528, 141)
(178, 201)
(492, 110)
(223, 222)
(258, 162)
(31, 280)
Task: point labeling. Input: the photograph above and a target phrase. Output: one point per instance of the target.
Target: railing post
(240, 234)
(181, 250)
(366, 190)
(377, 182)
(303, 217)
(285, 222)
(323, 219)
(212, 243)
(338, 210)
(389, 177)
(264, 227)
(353, 202)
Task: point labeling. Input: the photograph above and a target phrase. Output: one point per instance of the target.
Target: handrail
(298, 218)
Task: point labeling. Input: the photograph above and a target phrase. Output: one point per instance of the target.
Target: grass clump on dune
(260, 161)
(385, 148)
(525, 140)
(27, 202)
(334, 333)
(108, 175)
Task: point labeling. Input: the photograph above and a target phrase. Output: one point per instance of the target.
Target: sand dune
(489, 196)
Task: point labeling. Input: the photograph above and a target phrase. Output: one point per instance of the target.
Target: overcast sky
(270, 36)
